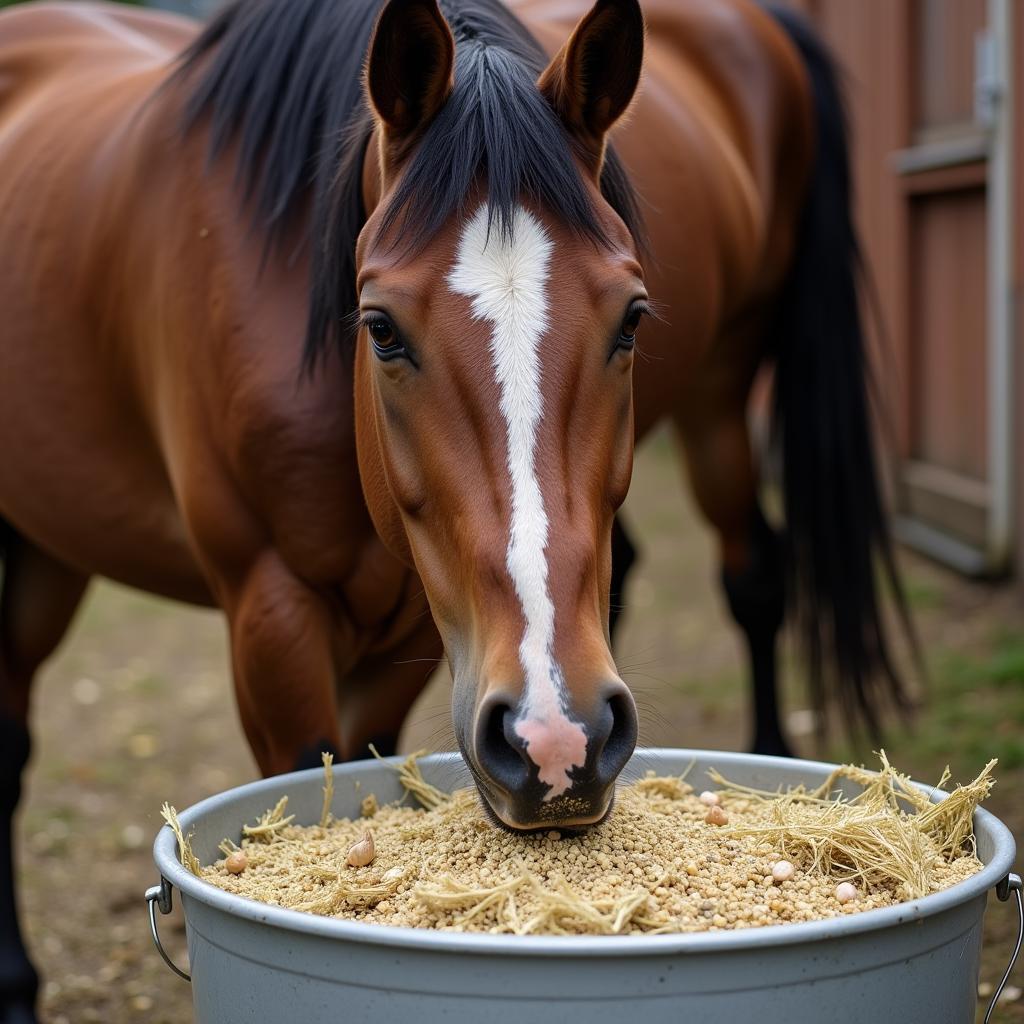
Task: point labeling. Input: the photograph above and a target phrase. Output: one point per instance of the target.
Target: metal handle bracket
(160, 896)
(1010, 884)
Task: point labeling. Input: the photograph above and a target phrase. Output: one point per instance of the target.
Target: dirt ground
(137, 709)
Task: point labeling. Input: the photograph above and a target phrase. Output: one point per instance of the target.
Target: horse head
(500, 296)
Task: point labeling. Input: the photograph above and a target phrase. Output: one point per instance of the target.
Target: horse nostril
(516, 764)
(620, 730)
(500, 754)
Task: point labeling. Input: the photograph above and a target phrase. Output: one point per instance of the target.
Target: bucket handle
(160, 896)
(1011, 883)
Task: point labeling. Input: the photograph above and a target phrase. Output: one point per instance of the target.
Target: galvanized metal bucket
(916, 963)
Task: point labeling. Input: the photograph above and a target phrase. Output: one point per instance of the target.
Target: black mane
(283, 79)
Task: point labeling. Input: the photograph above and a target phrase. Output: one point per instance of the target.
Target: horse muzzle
(556, 769)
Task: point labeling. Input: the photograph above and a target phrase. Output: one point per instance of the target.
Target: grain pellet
(782, 871)
(846, 892)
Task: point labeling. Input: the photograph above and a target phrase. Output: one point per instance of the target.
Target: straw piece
(325, 814)
(870, 836)
(228, 847)
(449, 894)
(671, 787)
(189, 861)
(950, 822)
(270, 822)
(349, 893)
(561, 910)
(411, 778)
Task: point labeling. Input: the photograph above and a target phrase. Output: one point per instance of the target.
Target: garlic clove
(236, 862)
(716, 816)
(362, 852)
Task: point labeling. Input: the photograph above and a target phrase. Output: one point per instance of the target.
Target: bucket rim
(429, 941)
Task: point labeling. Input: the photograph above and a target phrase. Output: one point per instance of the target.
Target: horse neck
(202, 322)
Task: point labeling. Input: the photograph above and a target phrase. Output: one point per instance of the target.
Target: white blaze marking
(506, 279)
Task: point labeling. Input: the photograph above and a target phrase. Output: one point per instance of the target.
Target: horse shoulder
(263, 454)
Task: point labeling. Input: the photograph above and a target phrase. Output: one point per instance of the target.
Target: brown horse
(332, 320)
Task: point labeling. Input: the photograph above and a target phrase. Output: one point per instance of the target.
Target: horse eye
(381, 331)
(386, 343)
(630, 325)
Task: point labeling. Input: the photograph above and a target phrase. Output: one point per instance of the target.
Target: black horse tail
(836, 527)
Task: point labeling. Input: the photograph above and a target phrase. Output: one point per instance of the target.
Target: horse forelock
(282, 81)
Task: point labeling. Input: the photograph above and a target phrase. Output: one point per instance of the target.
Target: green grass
(921, 594)
(979, 700)
(974, 710)
(1006, 667)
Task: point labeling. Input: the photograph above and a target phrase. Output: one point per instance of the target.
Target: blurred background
(138, 707)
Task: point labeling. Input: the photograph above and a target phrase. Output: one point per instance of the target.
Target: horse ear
(409, 72)
(591, 80)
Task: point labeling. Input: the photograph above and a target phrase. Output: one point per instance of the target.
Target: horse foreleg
(376, 696)
(37, 604)
(757, 599)
(284, 672)
(722, 474)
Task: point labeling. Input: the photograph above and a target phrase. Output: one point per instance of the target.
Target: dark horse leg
(623, 557)
(721, 470)
(757, 599)
(38, 600)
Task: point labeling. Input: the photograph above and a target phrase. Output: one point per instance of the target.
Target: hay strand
(325, 813)
(670, 787)
(411, 778)
(269, 823)
(950, 822)
(560, 910)
(228, 847)
(343, 892)
(188, 859)
(870, 837)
